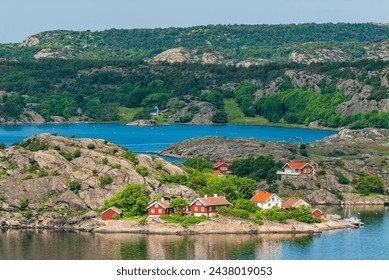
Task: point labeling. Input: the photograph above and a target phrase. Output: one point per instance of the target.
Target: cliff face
(41, 169)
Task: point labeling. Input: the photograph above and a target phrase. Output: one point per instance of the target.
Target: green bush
(131, 156)
(342, 179)
(116, 166)
(90, 146)
(43, 173)
(174, 179)
(66, 155)
(142, 170)
(132, 200)
(158, 166)
(24, 202)
(27, 214)
(74, 186)
(105, 180)
(104, 161)
(370, 184)
(115, 217)
(77, 153)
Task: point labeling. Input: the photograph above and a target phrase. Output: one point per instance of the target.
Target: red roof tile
(296, 164)
(217, 164)
(213, 201)
(290, 202)
(261, 196)
(165, 204)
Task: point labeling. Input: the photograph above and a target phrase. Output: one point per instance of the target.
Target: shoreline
(218, 225)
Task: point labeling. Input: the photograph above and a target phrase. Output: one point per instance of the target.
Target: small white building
(266, 200)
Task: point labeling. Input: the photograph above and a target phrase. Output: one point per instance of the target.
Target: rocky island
(53, 182)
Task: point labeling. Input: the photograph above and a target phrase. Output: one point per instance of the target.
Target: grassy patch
(127, 114)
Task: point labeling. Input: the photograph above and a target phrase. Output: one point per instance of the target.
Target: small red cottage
(208, 206)
(296, 168)
(221, 168)
(159, 208)
(110, 212)
(316, 212)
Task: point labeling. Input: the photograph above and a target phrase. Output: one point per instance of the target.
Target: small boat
(347, 215)
(355, 221)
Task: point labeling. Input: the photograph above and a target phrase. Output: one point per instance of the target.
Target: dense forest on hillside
(98, 89)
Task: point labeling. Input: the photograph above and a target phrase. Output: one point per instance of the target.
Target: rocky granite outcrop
(176, 55)
(318, 56)
(41, 168)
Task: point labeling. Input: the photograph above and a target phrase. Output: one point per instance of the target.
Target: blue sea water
(156, 138)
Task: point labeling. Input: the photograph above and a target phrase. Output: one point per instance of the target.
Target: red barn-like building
(108, 214)
(316, 212)
(222, 168)
(159, 208)
(208, 206)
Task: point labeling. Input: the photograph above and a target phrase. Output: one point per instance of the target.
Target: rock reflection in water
(45, 245)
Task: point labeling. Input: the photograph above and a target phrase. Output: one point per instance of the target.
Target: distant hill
(227, 44)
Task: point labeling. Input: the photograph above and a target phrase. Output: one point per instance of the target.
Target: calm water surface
(153, 139)
(368, 243)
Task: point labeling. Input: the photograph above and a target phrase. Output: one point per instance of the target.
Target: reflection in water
(370, 242)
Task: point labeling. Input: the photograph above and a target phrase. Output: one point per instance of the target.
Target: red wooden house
(159, 208)
(222, 168)
(316, 212)
(296, 168)
(208, 206)
(110, 212)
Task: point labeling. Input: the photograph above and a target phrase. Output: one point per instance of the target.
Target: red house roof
(296, 164)
(313, 210)
(163, 203)
(291, 202)
(261, 196)
(217, 164)
(113, 208)
(212, 201)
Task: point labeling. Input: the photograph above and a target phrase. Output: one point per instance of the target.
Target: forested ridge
(280, 73)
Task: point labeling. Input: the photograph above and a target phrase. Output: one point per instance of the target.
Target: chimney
(162, 199)
(205, 196)
(215, 195)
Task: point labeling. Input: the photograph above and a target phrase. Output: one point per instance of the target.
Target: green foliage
(342, 179)
(42, 173)
(66, 155)
(257, 169)
(299, 106)
(178, 203)
(131, 156)
(74, 186)
(273, 188)
(77, 153)
(116, 166)
(132, 200)
(28, 177)
(156, 197)
(31, 168)
(174, 179)
(158, 166)
(245, 204)
(2, 146)
(199, 164)
(184, 221)
(105, 180)
(238, 213)
(104, 161)
(142, 221)
(34, 144)
(115, 217)
(12, 166)
(220, 117)
(27, 214)
(91, 146)
(142, 170)
(95, 172)
(24, 202)
(370, 184)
